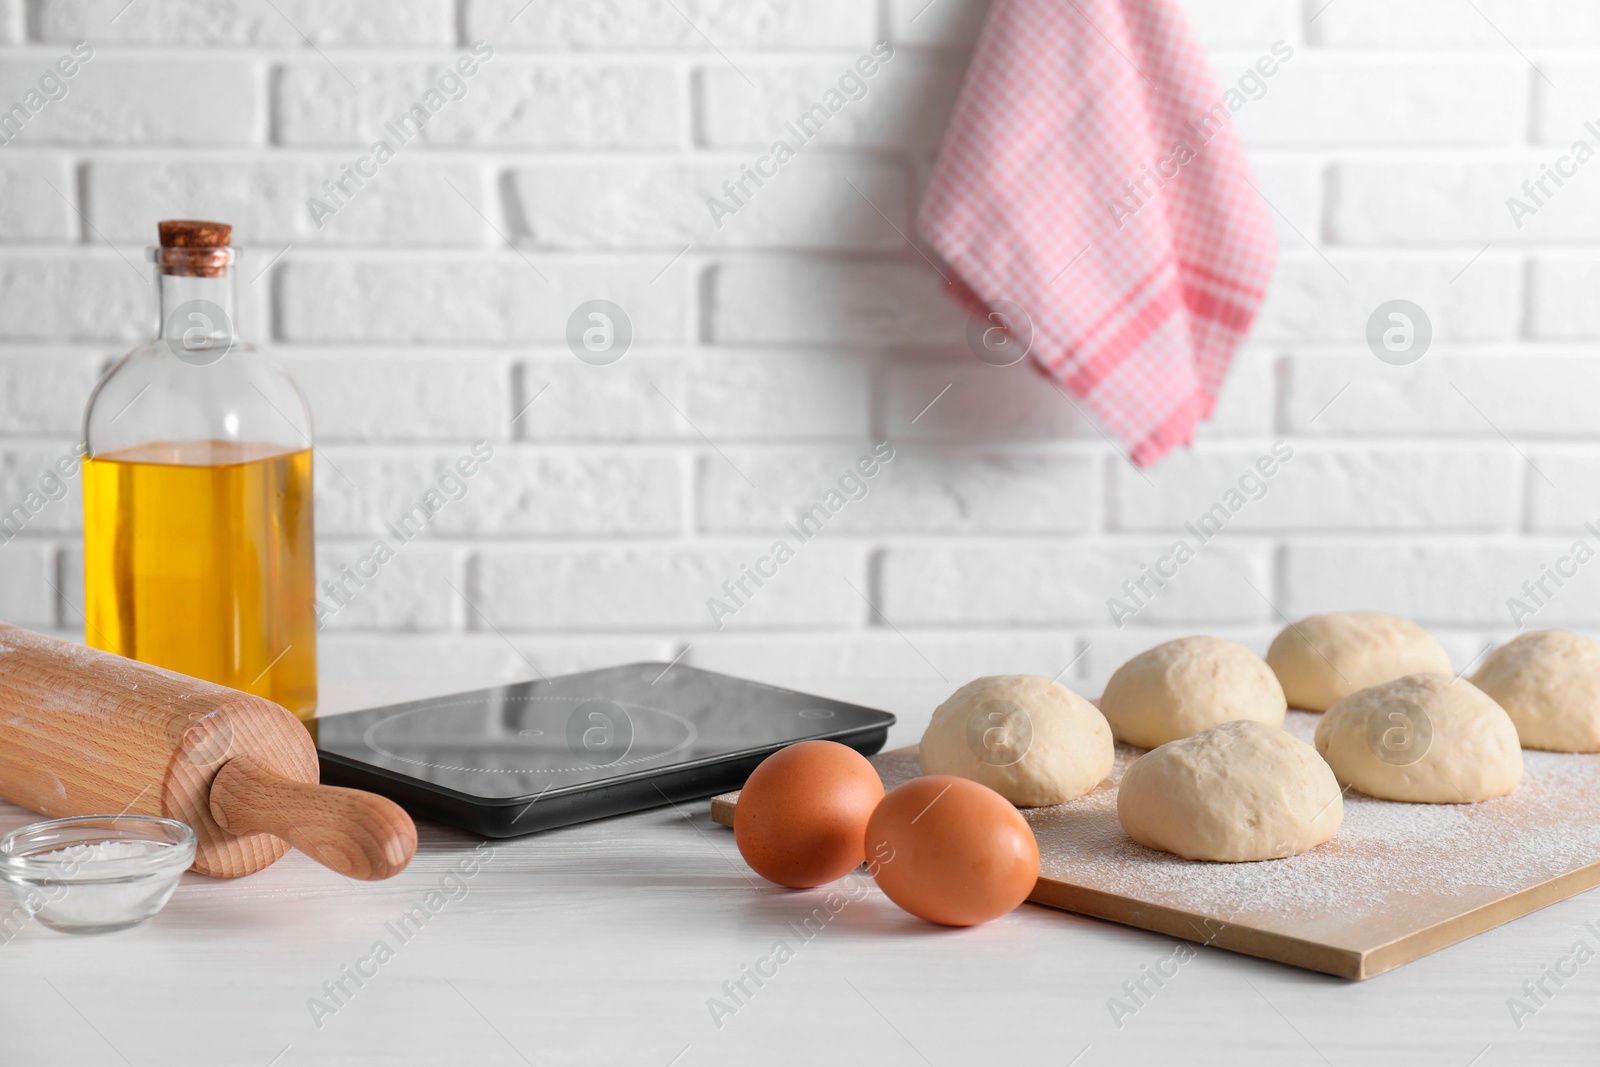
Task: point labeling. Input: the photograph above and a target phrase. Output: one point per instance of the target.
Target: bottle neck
(196, 311)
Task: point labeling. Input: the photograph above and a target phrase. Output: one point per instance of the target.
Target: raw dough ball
(1189, 685)
(1324, 658)
(1549, 683)
(1422, 738)
(1033, 741)
(1237, 792)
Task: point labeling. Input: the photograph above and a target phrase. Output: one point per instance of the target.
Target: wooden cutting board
(1397, 882)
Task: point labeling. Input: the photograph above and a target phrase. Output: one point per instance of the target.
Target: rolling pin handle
(357, 834)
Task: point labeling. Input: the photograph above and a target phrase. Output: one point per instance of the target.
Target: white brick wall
(266, 198)
(557, 25)
(122, 98)
(71, 294)
(514, 103)
(771, 352)
(651, 204)
(350, 23)
(906, 104)
(30, 209)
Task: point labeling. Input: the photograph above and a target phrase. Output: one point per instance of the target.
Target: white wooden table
(603, 944)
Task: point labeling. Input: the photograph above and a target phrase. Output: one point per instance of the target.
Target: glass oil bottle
(197, 499)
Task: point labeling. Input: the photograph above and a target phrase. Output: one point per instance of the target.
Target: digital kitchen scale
(517, 758)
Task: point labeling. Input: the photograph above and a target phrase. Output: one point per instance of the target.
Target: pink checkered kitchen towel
(1091, 175)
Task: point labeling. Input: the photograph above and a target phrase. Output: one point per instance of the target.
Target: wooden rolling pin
(89, 733)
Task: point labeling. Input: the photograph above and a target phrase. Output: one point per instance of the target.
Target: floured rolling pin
(89, 733)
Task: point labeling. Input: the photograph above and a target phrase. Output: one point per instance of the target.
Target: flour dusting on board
(1384, 852)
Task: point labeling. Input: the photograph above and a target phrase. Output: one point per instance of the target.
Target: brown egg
(952, 851)
(802, 815)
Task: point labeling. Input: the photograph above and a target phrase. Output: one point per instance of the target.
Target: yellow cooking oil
(198, 557)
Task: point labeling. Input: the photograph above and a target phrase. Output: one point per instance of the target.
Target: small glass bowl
(95, 873)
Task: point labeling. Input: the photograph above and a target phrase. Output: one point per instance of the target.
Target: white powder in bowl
(83, 856)
(89, 887)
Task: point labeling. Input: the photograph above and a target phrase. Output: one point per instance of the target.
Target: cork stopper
(194, 248)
